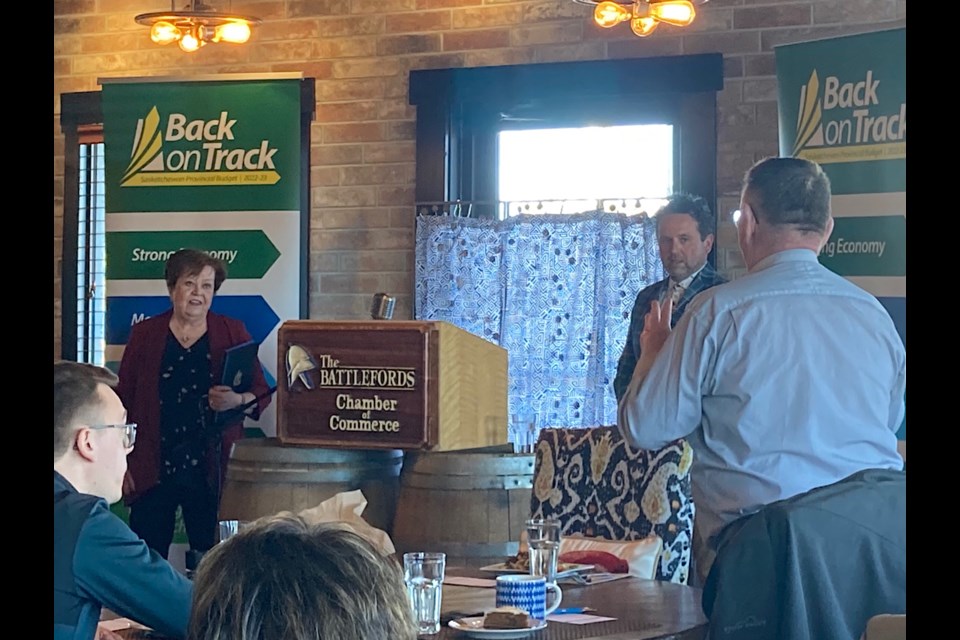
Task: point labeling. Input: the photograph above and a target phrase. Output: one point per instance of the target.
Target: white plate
(473, 627)
(502, 568)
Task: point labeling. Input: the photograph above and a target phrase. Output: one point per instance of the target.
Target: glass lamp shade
(679, 13)
(197, 25)
(191, 41)
(610, 14)
(643, 26)
(233, 32)
(164, 32)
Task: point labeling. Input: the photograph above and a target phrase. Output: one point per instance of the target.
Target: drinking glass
(423, 575)
(524, 427)
(543, 547)
(227, 528)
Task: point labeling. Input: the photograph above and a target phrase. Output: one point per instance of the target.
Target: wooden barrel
(265, 477)
(471, 506)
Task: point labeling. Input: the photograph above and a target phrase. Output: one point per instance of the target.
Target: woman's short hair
(282, 579)
(190, 262)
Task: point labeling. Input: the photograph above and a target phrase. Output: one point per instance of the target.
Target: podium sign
(390, 384)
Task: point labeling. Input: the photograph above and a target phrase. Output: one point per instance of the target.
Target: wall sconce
(644, 15)
(197, 25)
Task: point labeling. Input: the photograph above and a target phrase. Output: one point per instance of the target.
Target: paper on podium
(346, 508)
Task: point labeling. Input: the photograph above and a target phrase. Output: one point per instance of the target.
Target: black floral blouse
(185, 378)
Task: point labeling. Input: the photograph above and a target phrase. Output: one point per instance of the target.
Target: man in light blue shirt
(785, 380)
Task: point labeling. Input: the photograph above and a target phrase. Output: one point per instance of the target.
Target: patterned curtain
(554, 290)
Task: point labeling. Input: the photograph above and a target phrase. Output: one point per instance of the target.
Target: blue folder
(238, 366)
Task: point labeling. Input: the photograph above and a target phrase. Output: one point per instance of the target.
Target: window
(567, 170)
(91, 256)
(592, 136)
(83, 256)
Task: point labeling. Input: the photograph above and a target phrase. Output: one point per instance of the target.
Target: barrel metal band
(297, 475)
(461, 483)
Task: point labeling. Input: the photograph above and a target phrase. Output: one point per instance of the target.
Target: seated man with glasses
(97, 560)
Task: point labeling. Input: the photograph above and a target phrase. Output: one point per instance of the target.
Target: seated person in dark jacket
(97, 560)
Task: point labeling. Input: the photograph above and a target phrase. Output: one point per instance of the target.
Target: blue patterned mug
(528, 593)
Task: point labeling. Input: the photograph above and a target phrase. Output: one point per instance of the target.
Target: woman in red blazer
(169, 384)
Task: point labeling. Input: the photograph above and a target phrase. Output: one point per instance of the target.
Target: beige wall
(362, 154)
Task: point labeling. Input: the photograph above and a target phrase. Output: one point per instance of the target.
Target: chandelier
(644, 15)
(196, 26)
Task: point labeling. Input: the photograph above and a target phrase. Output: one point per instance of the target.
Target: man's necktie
(675, 294)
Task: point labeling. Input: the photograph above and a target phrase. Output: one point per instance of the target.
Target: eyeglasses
(129, 431)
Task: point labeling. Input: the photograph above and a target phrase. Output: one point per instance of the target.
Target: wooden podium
(389, 384)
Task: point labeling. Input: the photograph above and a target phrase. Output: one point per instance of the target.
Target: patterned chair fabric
(598, 486)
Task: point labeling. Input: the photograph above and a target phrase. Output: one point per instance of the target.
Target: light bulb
(190, 42)
(676, 12)
(609, 14)
(164, 32)
(643, 26)
(235, 32)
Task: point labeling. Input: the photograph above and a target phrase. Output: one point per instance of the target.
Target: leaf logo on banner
(809, 118)
(147, 146)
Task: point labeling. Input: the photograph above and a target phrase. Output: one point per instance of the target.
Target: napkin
(469, 582)
(602, 559)
(642, 556)
(577, 618)
(346, 509)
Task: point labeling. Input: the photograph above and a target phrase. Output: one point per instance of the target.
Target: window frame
(459, 113)
(81, 121)
(92, 306)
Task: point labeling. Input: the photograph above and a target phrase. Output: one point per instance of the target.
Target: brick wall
(360, 52)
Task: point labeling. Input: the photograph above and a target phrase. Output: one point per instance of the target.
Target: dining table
(640, 609)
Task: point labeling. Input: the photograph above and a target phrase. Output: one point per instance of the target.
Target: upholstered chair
(598, 486)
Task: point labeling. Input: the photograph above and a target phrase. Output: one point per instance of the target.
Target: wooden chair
(598, 486)
(886, 627)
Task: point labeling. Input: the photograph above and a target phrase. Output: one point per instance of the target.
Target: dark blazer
(99, 562)
(139, 389)
(707, 278)
(813, 567)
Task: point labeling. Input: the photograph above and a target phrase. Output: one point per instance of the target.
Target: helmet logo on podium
(299, 365)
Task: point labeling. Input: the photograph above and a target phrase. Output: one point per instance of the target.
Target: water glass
(227, 528)
(423, 575)
(524, 427)
(543, 547)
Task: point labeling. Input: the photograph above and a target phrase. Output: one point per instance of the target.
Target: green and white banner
(211, 164)
(843, 104)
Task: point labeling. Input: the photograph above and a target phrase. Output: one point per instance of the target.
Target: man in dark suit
(685, 233)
